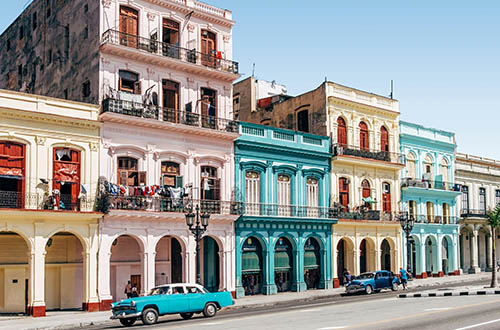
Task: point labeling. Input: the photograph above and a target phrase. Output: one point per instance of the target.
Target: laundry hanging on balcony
(65, 172)
(369, 200)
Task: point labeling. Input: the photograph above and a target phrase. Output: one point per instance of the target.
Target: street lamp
(197, 225)
(407, 226)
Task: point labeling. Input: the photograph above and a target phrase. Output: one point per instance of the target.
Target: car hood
(358, 282)
(129, 301)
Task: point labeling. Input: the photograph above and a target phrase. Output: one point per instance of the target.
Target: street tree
(494, 222)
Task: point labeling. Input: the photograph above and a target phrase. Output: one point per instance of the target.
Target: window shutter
(142, 178)
(179, 181)
(122, 177)
(217, 189)
(137, 87)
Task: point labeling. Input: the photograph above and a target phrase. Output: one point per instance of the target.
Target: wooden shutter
(363, 136)
(341, 131)
(142, 177)
(384, 139)
(137, 88)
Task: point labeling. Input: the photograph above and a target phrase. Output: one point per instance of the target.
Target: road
(382, 311)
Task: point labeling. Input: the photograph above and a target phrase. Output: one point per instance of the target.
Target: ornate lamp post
(198, 226)
(407, 226)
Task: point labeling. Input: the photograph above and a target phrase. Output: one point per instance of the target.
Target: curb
(449, 294)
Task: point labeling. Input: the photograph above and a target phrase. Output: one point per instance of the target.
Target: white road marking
(332, 328)
(437, 309)
(479, 324)
(214, 323)
(310, 310)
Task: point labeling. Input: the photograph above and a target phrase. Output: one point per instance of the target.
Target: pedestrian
(128, 290)
(404, 278)
(252, 285)
(134, 291)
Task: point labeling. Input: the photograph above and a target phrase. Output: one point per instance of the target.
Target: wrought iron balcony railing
(429, 184)
(260, 209)
(436, 219)
(168, 204)
(375, 215)
(386, 156)
(141, 110)
(471, 213)
(153, 46)
(45, 201)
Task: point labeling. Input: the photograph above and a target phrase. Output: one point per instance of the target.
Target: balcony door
(170, 101)
(386, 197)
(208, 104)
(129, 26)
(341, 132)
(208, 48)
(12, 174)
(344, 193)
(66, 176)
(363, 136)
(171, 38)
(210, 183)
(384, 139)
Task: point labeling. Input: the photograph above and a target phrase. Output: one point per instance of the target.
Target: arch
(341, 131)
(313, 262)
(345, 257)
(211, 263)
(262, 240)
(284, 263)
(431, 246)
(170, 260)
(127, 150)
(26, 238)
(415, 256)
(81, 238)
(253, 166)
(365, 188)
(366, 255)
(173, 156)
(208, 160)
(411, 165)
(384, 139)
(446, 255)
(252, 264)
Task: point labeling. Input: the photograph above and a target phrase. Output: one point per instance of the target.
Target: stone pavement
(74, 319)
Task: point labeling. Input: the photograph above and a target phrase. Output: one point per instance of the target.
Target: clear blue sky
(444, 56)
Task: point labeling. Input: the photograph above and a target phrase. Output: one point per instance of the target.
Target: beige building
(49, 167)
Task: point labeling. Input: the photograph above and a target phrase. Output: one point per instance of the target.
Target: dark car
(373, 281)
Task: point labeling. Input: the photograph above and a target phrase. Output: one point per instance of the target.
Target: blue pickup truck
(373, 281)
(183, 299)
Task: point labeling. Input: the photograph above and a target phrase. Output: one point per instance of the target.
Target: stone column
(298, 283)
(421, 262)
(378, 253)
(91, 300)
(357, 264)
(148, 271)
(37, 276)
(105, 297)
(488, 246)
(474, 269)
(269, 286)
(438, 258)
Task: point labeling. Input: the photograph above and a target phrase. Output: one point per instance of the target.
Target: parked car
(373, 281)
(183, 299)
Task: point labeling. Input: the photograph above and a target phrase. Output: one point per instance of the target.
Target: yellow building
(49, 167)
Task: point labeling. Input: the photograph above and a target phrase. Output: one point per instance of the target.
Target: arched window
(66, 177)
(430, 212)
(171, 175)
(386, 197)
(411, 168)
(366, 192)
(412, 208)
(284, 194)
(428, 170)
(341, 131)
(252, 192)
(12, 172)
(446, 213)
(384, 139)
(364, 143)
(444, 172)
(312, 192)
(129, 26)
(344, 192)
(210, 183)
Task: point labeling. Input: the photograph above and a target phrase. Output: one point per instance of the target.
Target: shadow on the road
(161, 321)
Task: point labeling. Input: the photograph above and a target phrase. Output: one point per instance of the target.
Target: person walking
(134, 291)
(128, 290)
(404, 278)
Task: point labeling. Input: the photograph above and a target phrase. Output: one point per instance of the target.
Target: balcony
(371, 154)
(429, 184)
(171, 205)
(470, 213)
(44, 201)
(274, 210)
(154, 112)
(191, 57)
(438, 219)
(370, 215)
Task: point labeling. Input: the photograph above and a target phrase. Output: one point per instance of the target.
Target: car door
(380, 280)
(196, 298)
(179, 301)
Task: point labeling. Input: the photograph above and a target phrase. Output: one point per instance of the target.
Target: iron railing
(375, 215)
(141, 110)
(386, 156)
(153, 46)
(168, 204)
(45, 201)
(472, 213)
(260, 209)
(436, 219)
(429, 184)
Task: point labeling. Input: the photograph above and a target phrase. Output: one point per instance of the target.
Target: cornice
(367, 109)
(282, 149)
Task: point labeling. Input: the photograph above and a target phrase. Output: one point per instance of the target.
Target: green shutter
(250, 262)
(281, 260)
(179, 181)
(310, 260)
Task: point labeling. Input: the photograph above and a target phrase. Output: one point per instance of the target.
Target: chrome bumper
(354, 288)
(125, 315)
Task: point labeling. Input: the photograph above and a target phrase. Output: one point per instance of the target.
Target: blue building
(284, 237)
(428, 194)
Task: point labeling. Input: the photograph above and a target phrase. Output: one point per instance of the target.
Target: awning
(311, 260)
(250, 262)
(282, 260)
(369, 200)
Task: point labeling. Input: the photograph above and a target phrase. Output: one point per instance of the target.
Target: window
(129, 82)
(412, 209)
(49, 56)
(363, 136)
(465, 199)
(86, 32)
(171, 101)
(430, 212)
(341, 131)
(428, 169)
(34, 22)
(210, 183)
(8, 44)
(170, 174)
(236, 106)
(252, 192)
(411, 168)
(366, 192)
(208, 107)
(66, 177)
(284, 194)
(86, 89)
(312, 191)
(482, 199)
(497, 197)
(384, 139)
(65, 93)
(303, 121)
(446, 213)
(21, 32)
(344, 192)
(170, 32)
(386, 197)
(193, 289)
(128, 173)
(444, 172)
(129, 19)
(20, 71)
(86, 8)
(208, 48)
(12, 174)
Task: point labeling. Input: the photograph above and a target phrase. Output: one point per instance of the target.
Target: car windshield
(159, 290)
(365, 276)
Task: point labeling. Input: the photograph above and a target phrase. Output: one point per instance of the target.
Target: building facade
(284, 235)
(479, 178)
(49, 168)
(428, 194)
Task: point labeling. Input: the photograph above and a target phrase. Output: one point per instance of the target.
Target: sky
(444, 56)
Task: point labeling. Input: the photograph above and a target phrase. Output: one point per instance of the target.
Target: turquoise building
(428, 194)
(284, 235)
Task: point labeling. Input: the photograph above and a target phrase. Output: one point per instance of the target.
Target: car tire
(127, 322)
(368, 289)
(187, 316)
(149, 316)
(210, 310)
(395, 286)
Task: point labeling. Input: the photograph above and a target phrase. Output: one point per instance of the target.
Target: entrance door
(136, 280)
(211, 263)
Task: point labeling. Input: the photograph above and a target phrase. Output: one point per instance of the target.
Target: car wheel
(368, 289)
(187, 316)
(149, 316)
(127, 322)
(210, 310)
(395, 286)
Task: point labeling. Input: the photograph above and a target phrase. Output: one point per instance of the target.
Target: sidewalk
(64, 320)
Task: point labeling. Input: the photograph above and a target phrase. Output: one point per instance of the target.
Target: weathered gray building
(52, 49)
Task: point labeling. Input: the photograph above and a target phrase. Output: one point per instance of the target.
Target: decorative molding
(106, 3)
(40, 140)
(226, 38)
(93, 146)
(190, 27)
(151, 16)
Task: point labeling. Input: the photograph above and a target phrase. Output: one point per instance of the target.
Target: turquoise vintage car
(373, 281)
(183, 299)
